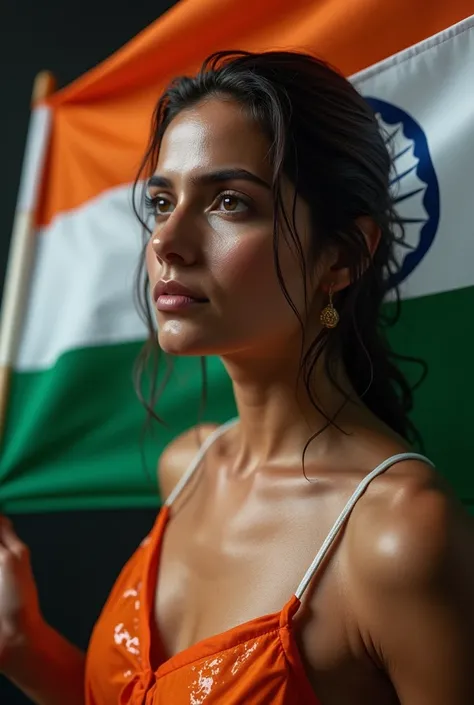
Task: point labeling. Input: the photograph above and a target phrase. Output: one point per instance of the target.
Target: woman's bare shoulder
(407, 528)
(412, 579)
(178, 455)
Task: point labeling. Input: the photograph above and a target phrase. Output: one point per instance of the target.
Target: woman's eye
(232, 204)
(159, 205)
(225, 203)
(163, 206)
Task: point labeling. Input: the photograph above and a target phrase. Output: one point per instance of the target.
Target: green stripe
(440, 329)
(56, 457)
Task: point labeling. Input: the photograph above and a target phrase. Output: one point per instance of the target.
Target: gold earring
(329, 317)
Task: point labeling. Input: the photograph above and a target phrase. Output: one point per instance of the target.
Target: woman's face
(210, 257)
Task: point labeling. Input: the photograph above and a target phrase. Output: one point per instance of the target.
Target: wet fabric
(257, 662)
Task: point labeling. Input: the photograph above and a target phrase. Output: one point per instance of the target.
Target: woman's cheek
(243, 260)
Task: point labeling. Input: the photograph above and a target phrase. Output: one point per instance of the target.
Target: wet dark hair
(326, 139)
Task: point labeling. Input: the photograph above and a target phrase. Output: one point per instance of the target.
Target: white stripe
(433, 82)
(82, 288)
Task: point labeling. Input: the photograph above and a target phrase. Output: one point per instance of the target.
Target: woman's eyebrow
(212, 177)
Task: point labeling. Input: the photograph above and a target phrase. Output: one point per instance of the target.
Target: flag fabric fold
(74, 427)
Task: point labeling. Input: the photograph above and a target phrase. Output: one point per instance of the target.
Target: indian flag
(73, 437)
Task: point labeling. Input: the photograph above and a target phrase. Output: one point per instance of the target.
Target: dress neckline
(154, 656)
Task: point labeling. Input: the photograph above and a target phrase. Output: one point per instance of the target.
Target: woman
(304, 554)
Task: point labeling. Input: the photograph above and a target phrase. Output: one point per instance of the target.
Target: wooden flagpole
(22, 245)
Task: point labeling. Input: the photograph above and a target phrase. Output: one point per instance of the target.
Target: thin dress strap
(195, 463)
(359, 491)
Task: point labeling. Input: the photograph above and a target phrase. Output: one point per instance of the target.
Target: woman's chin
(174, 338)
(178, 338)
(181, 345)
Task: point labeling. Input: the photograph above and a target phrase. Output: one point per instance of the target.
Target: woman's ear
(370, 231)
(337, 274)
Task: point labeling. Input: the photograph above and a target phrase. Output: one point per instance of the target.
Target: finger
(6, 558)
(11, 541)
(4, 522)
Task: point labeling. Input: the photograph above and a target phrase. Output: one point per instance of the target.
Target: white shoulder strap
(359, 491)
(197, 460)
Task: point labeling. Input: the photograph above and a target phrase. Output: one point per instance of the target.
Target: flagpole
(22, 244)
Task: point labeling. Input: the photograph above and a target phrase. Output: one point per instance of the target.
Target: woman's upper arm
(415, 594)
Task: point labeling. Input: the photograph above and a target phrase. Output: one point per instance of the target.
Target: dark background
(76, 555)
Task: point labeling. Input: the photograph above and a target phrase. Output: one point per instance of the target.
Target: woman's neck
(277, 415)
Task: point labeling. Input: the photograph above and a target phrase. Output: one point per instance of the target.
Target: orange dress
(255, 663)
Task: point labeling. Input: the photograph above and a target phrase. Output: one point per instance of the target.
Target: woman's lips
(171, 295)
(174, 302)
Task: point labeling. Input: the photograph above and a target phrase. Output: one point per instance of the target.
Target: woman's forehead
(214, 134)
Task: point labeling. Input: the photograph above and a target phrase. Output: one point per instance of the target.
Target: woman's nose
(173, 242)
